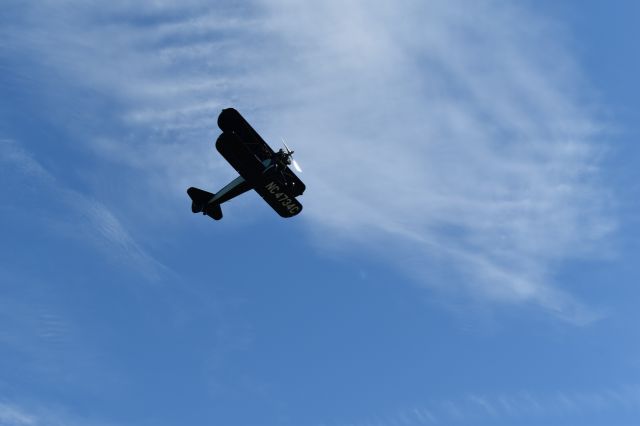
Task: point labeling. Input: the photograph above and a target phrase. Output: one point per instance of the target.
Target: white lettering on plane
(286, 201)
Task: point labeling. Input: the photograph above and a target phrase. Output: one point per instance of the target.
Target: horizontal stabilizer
(200, 203)
(199, 199)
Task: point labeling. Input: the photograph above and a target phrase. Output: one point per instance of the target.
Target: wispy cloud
(15, 414)
(10, 415)
(507, 408)
(446, 133)
(91, 220)
(31, 328)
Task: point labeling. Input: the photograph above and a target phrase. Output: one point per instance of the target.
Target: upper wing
(240, 157)
(230, 121)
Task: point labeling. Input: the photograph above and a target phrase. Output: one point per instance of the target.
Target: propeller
(290, 153)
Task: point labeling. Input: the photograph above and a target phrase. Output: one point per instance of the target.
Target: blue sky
(467, 251)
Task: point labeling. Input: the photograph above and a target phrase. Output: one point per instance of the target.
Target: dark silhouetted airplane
(260, 168)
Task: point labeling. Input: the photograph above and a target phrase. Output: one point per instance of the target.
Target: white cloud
(451, 133)
(561, 407)
(13, 416)
(85, 217)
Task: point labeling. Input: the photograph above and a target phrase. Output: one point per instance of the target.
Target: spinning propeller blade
(294, 163)
(296, 166)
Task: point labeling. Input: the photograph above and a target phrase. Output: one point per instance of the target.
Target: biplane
(260, 168)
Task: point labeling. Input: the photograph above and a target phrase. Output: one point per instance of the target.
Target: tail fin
(199, 199)
(200, 203)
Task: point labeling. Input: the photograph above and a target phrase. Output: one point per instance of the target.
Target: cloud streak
(445, 133)
(92, 219)
(14, 414)
(11, 415)
(507, 408)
